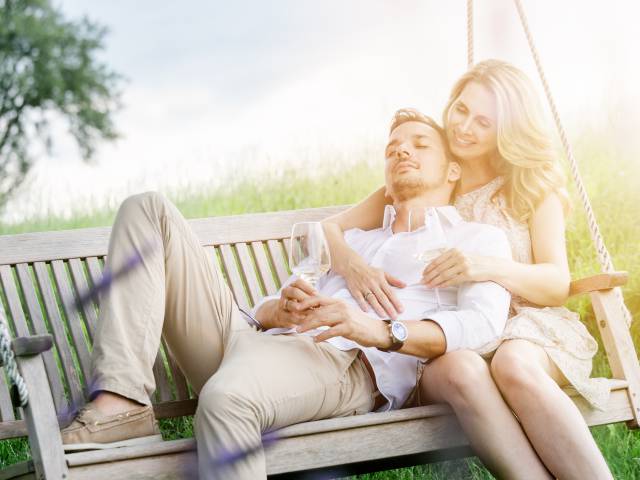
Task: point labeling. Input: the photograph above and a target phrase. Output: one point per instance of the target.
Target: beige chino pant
(248, 382)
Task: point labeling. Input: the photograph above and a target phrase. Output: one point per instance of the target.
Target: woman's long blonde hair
(526, 157)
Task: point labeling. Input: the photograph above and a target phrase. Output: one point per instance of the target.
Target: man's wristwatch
(398, 334)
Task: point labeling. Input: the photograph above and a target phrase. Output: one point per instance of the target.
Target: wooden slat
(264, 268)
(180, 383)
(249, 272)
(618, 345)
(44, 433)
(6, 408)
(370, 437)
(233, 275)
(13, 300)
(95, 270)
(18, 471)
(286, 243)
(618, 410)
(141, 451)
(93, 242)
(182, 466)
(163, 389)
(81, 286)
(59, 335)
(73, 318)
(12, 429)
(212, 254)
(603, 281)
(35, 312)
(276, 251)
(179, 408)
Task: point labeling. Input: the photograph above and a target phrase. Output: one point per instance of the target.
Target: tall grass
(613, 187)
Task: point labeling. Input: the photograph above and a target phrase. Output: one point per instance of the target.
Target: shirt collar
(447, 213)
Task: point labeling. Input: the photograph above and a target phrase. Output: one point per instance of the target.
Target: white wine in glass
(309, 252)
(434, 242)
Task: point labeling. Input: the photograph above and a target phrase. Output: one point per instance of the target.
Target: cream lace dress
(558, 330)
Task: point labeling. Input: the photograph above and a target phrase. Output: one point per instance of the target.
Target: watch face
(399, 331)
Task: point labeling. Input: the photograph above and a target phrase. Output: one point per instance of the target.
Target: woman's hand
(454, 267)
(288, 313)
(372, 286)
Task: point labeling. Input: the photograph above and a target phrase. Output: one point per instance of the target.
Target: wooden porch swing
(39, 270)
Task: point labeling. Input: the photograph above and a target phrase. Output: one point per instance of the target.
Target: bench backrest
(41, 274)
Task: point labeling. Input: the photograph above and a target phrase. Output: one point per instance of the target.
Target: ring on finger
(367, 294)
(286, 305)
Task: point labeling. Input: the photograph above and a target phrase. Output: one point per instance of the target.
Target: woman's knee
(459, 377)
(516, 368)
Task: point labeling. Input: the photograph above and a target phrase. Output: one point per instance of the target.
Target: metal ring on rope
(8, 359)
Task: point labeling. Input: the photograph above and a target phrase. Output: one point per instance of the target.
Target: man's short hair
(405, 115)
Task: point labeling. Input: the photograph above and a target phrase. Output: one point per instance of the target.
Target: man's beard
(407, 188)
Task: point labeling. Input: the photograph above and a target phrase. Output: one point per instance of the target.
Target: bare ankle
(110, 403)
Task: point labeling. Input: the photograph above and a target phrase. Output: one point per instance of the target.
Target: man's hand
(343, 321)
(288, 313)
(284, 312)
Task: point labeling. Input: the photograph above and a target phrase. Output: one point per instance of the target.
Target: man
(250, 382)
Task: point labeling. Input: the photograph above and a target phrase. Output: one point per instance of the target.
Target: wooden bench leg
(619, 346)
(42, 424)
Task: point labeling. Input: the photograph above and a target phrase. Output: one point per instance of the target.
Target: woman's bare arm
(545, 282)
(365, 215)
(362, 279)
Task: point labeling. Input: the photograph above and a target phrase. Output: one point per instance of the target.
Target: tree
(48, 67)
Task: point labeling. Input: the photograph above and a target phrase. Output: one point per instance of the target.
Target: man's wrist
(267, 315)
(384, 341)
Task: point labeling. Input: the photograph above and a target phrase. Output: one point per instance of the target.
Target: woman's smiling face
(472, 123)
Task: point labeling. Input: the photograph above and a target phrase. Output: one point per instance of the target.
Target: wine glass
(433, 241)
(309, 252)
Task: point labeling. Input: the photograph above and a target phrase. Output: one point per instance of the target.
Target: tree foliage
(48, 66)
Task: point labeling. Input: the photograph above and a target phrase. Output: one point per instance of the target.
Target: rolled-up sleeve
(483, 307)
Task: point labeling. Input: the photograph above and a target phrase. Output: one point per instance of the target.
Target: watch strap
(395, 343)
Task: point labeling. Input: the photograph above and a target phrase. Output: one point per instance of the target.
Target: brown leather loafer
(92, 430)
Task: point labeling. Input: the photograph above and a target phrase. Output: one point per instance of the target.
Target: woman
(510, 179)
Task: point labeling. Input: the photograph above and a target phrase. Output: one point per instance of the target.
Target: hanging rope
(10, 363)
(469, 33)
(603, 254)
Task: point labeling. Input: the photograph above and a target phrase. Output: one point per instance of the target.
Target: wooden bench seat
(42, 273)
(345, 445)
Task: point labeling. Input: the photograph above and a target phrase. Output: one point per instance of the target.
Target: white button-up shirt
(470, 315)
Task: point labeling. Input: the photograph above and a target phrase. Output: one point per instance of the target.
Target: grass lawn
(611, 182)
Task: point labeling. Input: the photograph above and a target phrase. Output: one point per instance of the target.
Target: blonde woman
(510, 179)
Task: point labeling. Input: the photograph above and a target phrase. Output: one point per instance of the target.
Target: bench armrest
(39, 413)
(602, 281)
(32, 345)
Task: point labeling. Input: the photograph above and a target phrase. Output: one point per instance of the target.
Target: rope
(10, 363)
(469, 33)
(603, 254)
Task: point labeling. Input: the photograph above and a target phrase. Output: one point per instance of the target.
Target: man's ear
(454, 172)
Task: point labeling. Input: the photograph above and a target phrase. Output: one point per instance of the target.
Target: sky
(215, 91)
